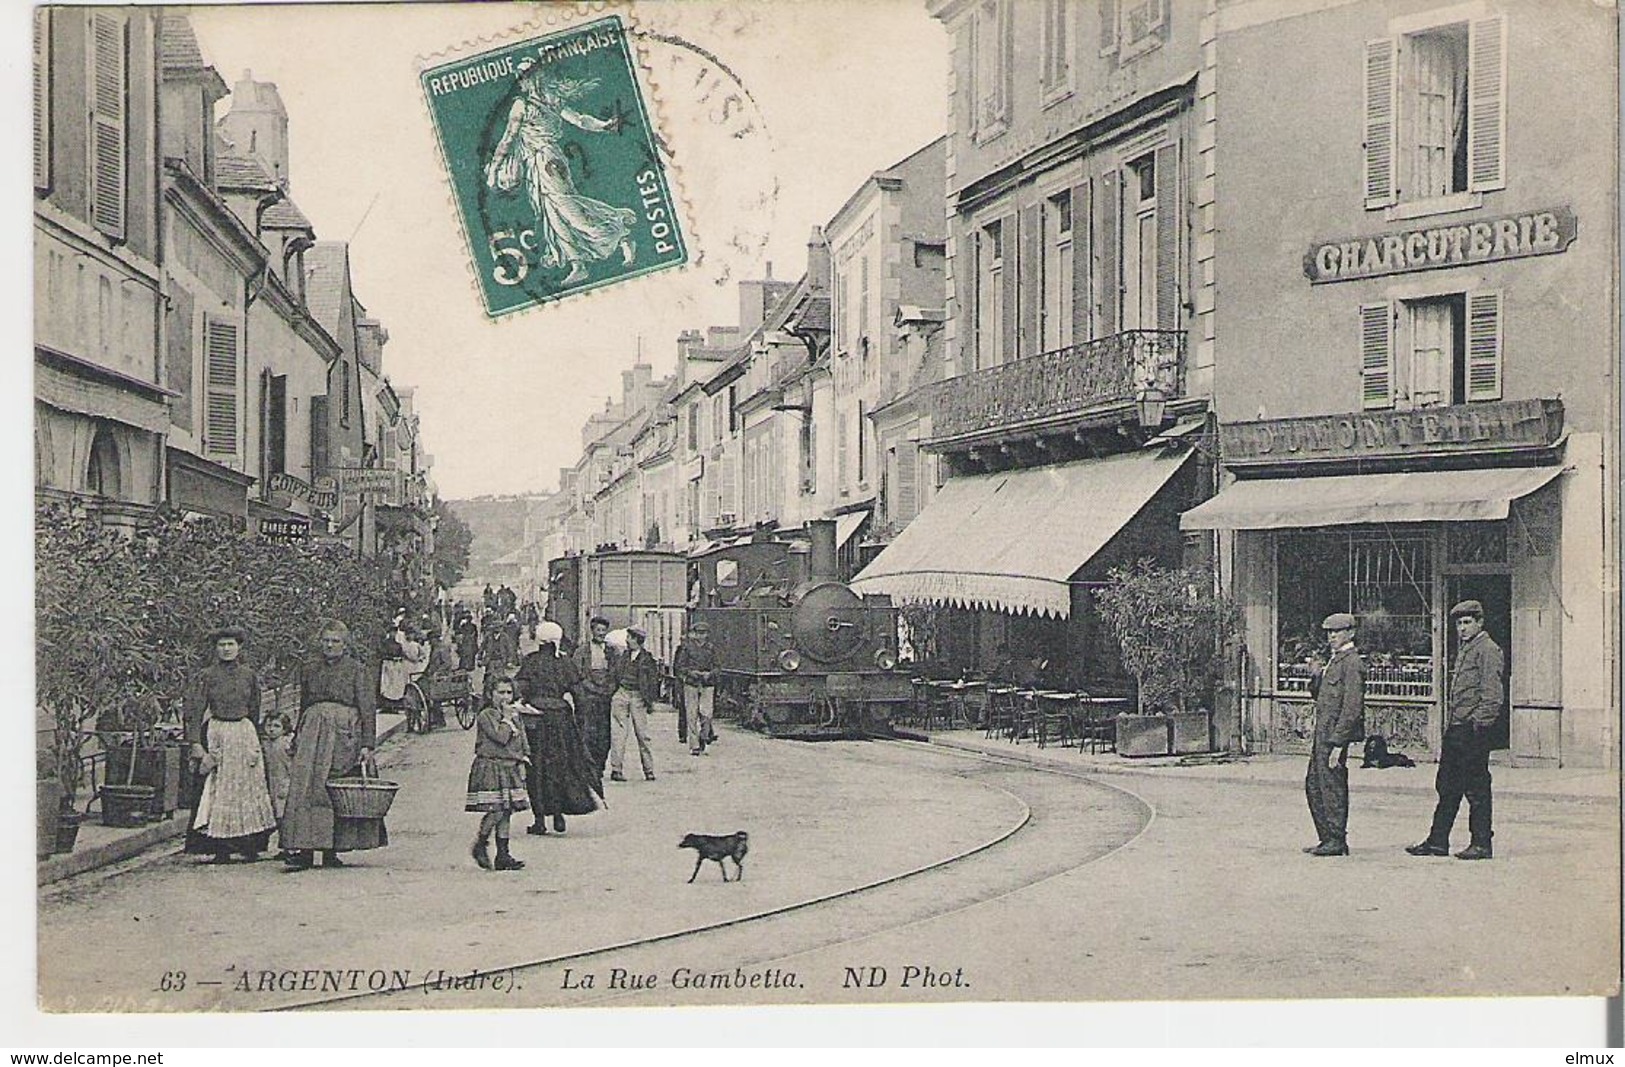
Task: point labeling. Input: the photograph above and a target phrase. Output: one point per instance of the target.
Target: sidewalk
(101, 846)
(1585, 785)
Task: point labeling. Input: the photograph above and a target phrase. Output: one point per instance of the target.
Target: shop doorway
(1494, 591)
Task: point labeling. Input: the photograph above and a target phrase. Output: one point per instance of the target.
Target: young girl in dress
(496, 781)
(278, 748)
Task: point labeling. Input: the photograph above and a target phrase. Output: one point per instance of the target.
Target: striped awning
(1012, 541)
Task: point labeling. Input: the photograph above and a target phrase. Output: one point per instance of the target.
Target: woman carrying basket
(334, 738)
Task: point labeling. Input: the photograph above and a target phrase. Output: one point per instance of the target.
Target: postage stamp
(554, 165)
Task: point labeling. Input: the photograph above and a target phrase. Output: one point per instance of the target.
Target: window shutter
(1007, 57)
(965, 73)
(1010, 237)
(1484, 345)
(841, 434)
(107, 155)
(1168, 234)
(220, 387)
(1108, 27)
(1376, 356)
(42, 98)
(1030, 294)
(277, 430)
(1486, 104)
(318, 436)
(1082, 258)
(1107, 283)
(1381, 110)
(968, 280)
(905, 494)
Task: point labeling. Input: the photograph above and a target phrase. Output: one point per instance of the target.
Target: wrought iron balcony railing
(1095, 374)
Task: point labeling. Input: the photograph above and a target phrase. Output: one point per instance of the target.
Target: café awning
(1011, 541)
(1347, 499)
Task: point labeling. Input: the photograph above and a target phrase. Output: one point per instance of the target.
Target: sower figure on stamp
(1475, 700)
(1339, 692)
(571, 230)
(592, 660)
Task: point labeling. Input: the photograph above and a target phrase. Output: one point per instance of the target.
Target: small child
(278, 747)
(496, 781)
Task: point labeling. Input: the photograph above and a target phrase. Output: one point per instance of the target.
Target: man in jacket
(637, 687)
(695, 665)
(592, 659)
(1339, 720)
(1475, 699)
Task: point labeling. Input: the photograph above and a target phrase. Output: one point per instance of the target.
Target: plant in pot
(1171, 628)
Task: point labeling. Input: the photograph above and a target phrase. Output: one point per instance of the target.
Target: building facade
(1414, 330)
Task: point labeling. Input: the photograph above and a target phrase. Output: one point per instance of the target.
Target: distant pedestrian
(637, 687)
(277, 744)
(496, 780)
(467, 633)
(562, 779)
(1475, 699)
(592, 659)
(1339, 691)
(695, 664)
(231, 811)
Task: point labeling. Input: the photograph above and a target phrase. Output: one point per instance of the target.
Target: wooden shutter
(842, 433)
(318, 437)
(1486, 104)
(970, 273)
(276, 435)
(1007, 57)
(1107, 283)
(42, 98)
(965, 73)
(1108, 27)
(905, 487)
(1168, 237)
(1484, 345)
(107, 134)
(1381, 111)
(180, 354)
(1030, 291)
(1010, 240)
(220, 387)
(1376, 356)
(1083, 251)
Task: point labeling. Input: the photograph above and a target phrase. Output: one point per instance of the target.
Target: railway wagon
(799, 653)
(645, 589)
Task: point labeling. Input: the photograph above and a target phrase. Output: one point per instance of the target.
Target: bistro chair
(1000, 717)
(1027, 716)
(1055, 718)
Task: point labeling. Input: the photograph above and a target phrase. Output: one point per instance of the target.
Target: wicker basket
(361, 798)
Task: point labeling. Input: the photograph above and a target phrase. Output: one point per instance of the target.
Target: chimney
(818, 260)
(821, 566)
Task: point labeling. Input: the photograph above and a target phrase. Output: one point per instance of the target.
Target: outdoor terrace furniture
(1096, 721)
(1054, 716)
(1002, 705)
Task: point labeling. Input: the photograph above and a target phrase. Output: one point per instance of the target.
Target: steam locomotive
(799, 654)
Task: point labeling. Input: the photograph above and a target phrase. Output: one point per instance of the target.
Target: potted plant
(1171, 626)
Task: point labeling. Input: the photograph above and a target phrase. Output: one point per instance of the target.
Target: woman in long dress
(572, 230)
(562, 780)
(232, 811)
(335, 736)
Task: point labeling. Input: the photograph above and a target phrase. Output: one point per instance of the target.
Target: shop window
(1476, 543)
(1385, 579)
(1435, 115)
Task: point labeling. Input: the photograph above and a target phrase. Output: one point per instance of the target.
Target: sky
(838, 89)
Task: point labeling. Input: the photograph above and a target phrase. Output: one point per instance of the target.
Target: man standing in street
(592, 660)
(1475, 699)
(695, 664)
(637, 687)
(1339, 720)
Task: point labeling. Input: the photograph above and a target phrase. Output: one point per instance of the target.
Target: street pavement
(1080, 877)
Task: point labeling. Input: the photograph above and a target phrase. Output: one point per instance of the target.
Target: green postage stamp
(552, 158)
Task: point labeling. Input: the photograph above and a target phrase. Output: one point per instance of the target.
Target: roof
(179, 51)
(1012, 540)
(327, 264)
(1476, 495)
(285, 215)
(232, 171)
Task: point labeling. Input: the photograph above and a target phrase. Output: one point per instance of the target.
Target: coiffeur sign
(1457, 244)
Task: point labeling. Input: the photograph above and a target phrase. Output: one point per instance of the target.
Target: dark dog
(718, 847)
(1377, 754)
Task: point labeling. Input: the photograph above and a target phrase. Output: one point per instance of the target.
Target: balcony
(1054, 390)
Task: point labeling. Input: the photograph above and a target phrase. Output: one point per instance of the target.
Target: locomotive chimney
(821, 565)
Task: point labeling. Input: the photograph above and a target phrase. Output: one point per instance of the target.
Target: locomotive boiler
(799, 654)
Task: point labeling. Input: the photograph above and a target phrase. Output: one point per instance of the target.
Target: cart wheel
(466, 713)
(417, 709)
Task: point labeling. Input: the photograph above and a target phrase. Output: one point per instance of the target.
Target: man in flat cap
(592, 697)
(695, 665)
(637, 687)
(1475, 699)
(1339, 719)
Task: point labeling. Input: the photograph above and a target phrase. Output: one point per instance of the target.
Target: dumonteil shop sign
(1509, 425)
(1534, 233)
